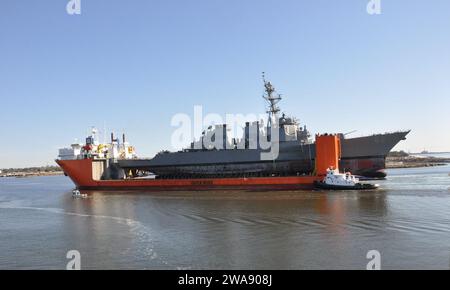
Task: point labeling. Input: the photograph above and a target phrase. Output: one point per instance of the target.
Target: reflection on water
(407, 220)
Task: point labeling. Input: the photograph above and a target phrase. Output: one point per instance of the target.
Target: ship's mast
(272, 99)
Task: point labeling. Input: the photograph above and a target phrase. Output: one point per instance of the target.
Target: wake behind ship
(241, 157)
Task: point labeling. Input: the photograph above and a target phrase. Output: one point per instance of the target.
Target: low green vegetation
(41, 169)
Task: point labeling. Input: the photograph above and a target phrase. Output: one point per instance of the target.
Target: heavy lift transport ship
(231, 163)
(87, 173)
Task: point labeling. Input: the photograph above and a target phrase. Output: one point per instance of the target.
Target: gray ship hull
(362, 156)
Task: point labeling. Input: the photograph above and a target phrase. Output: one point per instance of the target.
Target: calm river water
(407, 221)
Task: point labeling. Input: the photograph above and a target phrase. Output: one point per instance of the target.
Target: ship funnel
(224, 136)
(247, 135)
(257, 134)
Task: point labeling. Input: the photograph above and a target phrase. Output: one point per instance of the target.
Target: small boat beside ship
(77, 194)
(342, 181)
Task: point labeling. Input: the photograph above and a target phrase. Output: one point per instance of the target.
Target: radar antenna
(273, 100)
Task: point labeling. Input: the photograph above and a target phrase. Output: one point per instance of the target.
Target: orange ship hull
(80, 172)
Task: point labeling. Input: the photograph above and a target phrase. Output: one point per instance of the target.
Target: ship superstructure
(96, 150)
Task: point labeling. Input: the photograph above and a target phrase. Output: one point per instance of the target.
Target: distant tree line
(32, 169)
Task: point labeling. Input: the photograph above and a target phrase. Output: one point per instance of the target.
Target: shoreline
(31, 174)
(415, 162)
(31, 171)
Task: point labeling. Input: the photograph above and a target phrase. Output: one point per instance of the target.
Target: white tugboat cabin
(342, 181)
(333, 177)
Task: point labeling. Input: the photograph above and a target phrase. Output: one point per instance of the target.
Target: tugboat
(76, 193)
(342, 181)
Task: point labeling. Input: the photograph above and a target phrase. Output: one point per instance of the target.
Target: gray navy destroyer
(364, 156)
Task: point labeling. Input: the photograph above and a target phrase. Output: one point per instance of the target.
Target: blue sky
(132, 65)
